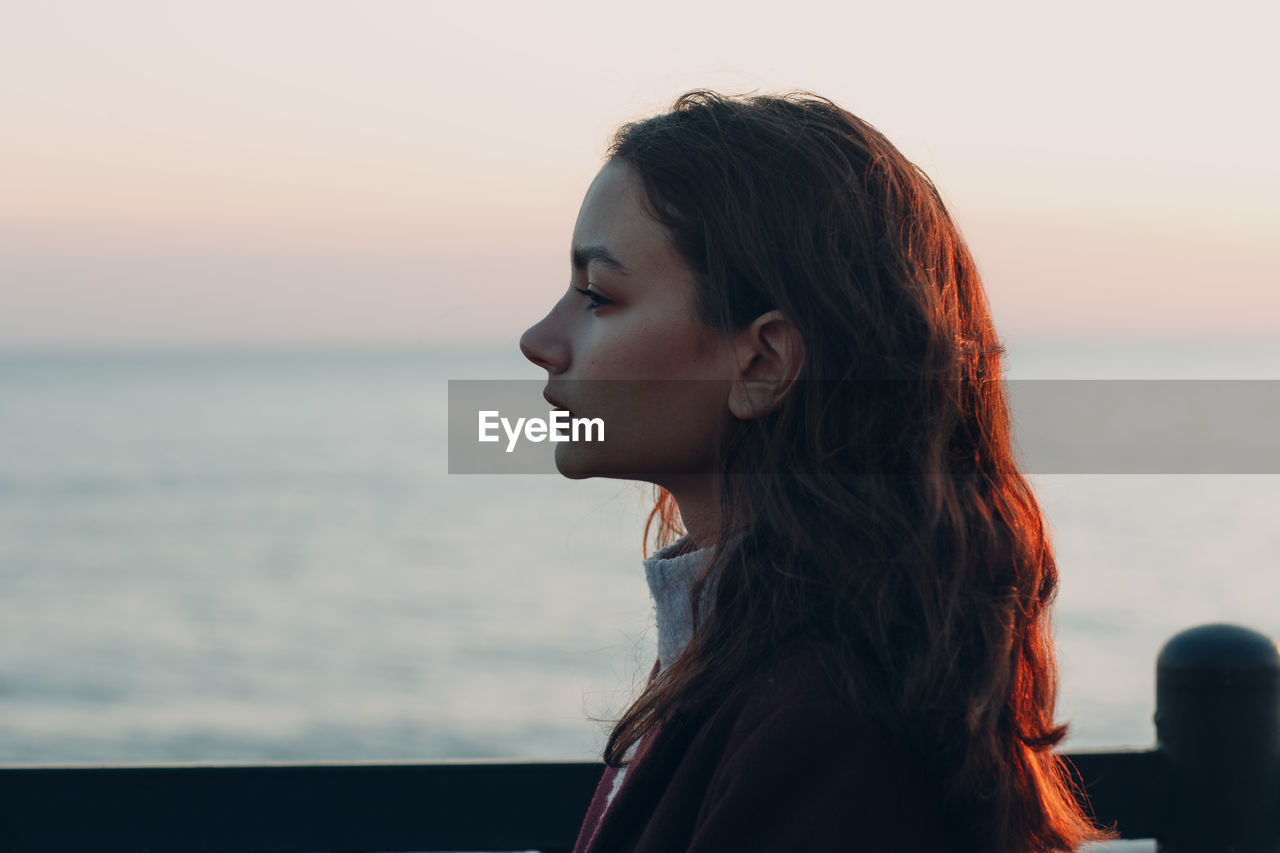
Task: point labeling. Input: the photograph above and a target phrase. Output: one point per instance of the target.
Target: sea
(261, 555)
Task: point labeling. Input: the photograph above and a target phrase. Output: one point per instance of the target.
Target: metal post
(1218, 726)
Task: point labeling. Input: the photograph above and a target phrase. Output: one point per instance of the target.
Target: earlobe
(770, 354)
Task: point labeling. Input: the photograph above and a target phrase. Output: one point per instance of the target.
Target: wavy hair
(879, 510)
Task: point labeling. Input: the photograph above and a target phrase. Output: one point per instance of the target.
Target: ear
(770, 353)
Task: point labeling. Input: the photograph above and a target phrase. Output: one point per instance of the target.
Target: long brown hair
(879, 511)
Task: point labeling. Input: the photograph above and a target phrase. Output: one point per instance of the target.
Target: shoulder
(788, 717)
(791, 686)
(785, 760)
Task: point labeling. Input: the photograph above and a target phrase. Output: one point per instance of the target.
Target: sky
(277, 173)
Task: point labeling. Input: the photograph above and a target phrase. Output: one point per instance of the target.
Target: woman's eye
(594, 299)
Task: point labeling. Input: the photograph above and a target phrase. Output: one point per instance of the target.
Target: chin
(574, 464)
(582, 462)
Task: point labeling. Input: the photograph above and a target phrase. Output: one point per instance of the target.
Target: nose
(541, 344)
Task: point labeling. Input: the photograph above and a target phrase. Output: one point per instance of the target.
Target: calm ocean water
(260, 556)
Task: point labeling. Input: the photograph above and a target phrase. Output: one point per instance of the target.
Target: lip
(553, 401)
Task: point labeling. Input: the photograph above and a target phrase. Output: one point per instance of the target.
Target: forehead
(614, 217)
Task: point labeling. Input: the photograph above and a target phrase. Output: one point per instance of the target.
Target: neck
(697, 499)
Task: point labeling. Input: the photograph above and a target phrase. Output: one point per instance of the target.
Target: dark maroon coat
(780, 766)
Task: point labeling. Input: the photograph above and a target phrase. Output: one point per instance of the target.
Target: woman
(782, 329)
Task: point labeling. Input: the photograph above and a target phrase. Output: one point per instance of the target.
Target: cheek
(633, 351)
(661, 345)
(683, 347)
(697, 351)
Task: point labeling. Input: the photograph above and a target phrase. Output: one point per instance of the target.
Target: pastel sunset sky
(407, 173)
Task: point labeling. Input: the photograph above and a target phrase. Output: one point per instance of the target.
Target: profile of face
(625, 344)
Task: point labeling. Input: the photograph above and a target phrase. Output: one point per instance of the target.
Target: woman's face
(625, 344)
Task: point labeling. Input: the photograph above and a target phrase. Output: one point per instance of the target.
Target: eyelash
(595, 299)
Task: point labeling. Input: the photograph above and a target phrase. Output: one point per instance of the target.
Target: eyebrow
(583, 255)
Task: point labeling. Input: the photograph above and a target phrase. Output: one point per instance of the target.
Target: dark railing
(1211, 784)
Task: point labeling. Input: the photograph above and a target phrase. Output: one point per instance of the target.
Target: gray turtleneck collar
(671, 574)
